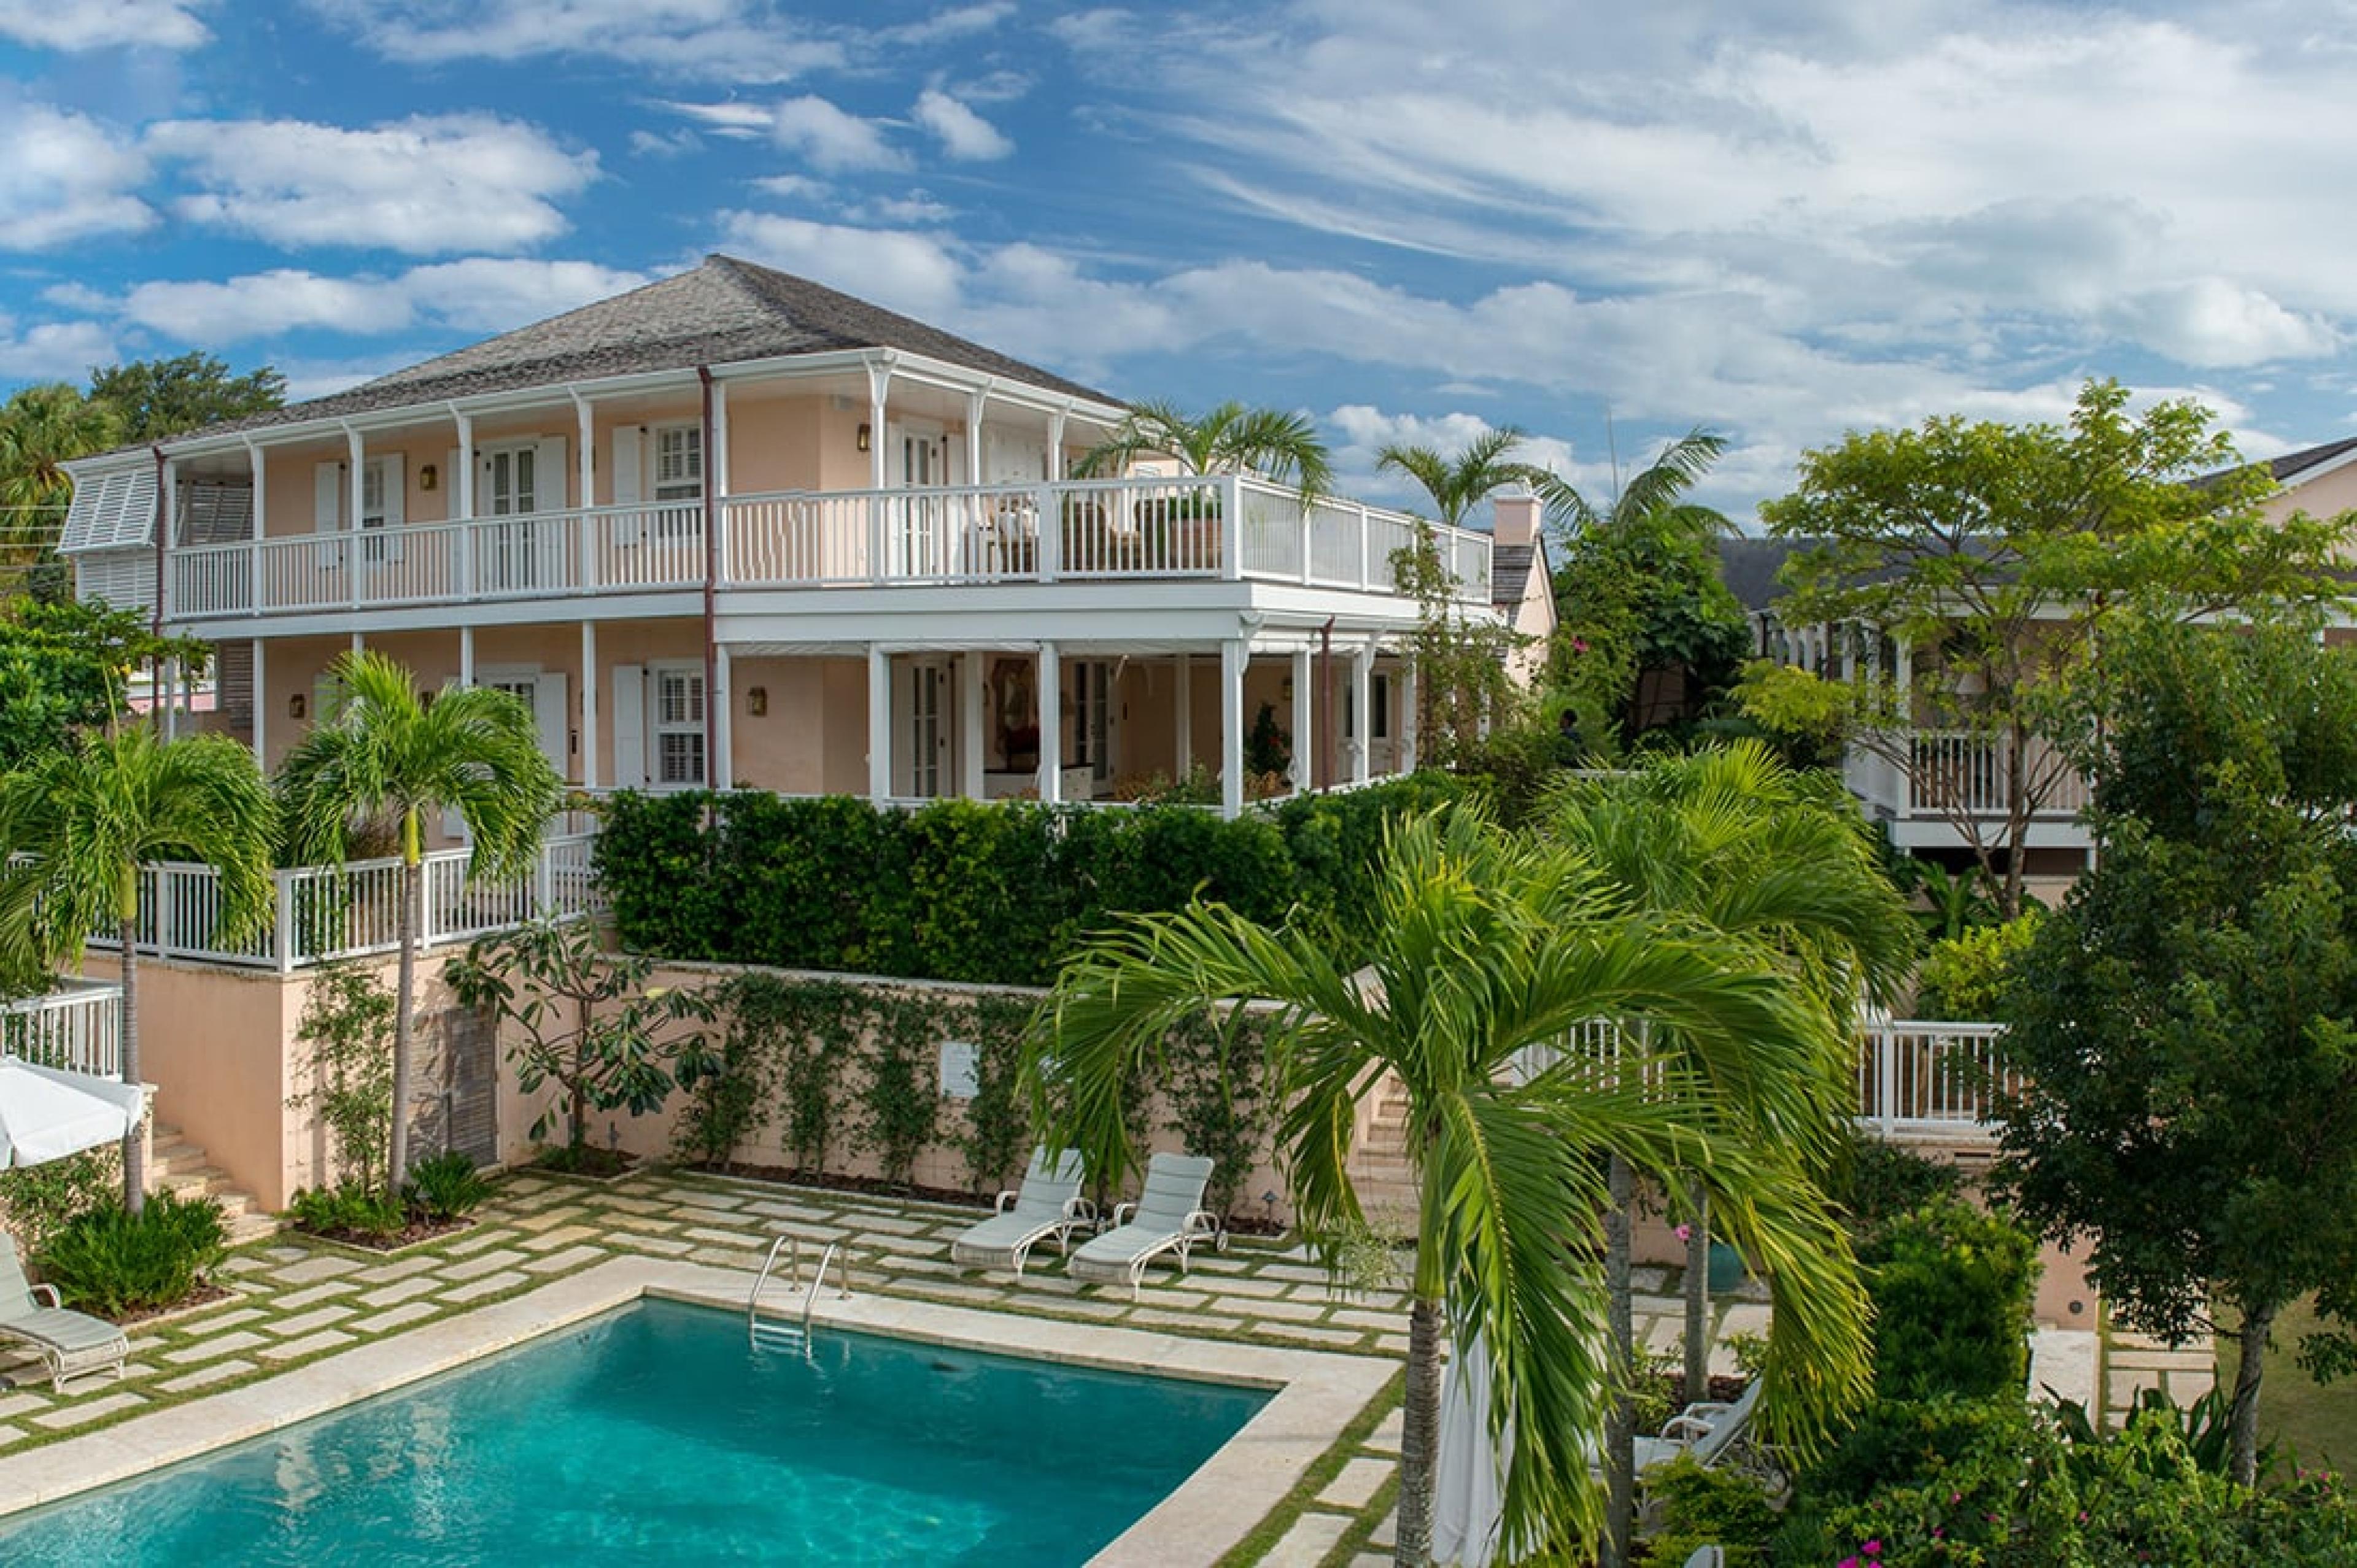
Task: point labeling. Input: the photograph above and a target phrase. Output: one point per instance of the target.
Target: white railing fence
(78, 1029)
(322, 913)
(1958, 771)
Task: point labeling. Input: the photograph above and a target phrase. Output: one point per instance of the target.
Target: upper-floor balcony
(1218, 527)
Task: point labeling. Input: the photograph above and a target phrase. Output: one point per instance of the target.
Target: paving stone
(400, 1316)
(243, 1264)
(399, 1268)
(1296, 1274)
(490, 1284)
(206, 1349)
(16, 1404)
(1313, 1535)
(226, 1320)
(313, 1297)
(1747, 1318)
(1360, 1479)
(308, 1322)
(1288, 1311)
(1657, 1306)
(558, 1236)
(1388, 1433)
(1310, 1334)
(1360, 1318)
(1648, 1279)
(480, 1237)
(293, 1349)
(560, 1263)
(83, 1410)
(314, 1267)
(205, 1376)
(487, 1263)
(401, 1291)
(662, 1246)
(1155, 1318)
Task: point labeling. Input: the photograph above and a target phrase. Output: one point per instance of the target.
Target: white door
(544, 693)
(920, 524)
(928, 739)
(524, 480)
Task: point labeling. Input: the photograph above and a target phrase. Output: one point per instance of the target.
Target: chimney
(1517, 517)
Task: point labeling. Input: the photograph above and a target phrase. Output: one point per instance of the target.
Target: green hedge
(993, 893)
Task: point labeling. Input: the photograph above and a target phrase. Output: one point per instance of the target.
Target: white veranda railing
(78, 1029)
(321, 913)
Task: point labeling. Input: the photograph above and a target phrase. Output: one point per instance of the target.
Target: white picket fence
(324, 912)
(79, 1027)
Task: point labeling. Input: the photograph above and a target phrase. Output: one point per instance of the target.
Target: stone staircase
(179, 1167)
(1379, 1167)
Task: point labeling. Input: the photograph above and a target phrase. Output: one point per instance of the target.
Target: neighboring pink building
(733, 527)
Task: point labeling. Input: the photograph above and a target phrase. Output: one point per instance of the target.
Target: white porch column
(879, 383)
(463, 482)
(972, 672)
(879, 724)
(1051, 724)
(165, 692)
(359, 642)
(261, 700)
(589, 704)
(1183, 701)
(584, 490)
(1407, 719)
(1233, 654)
(1305, 719)
(356, 500)
(974, 407)
(722, 698)
(465, 657)
(1362, 732)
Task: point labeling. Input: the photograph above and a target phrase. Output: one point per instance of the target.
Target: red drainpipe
(712, 693)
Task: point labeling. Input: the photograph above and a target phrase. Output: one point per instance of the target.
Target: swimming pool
(656, 1434)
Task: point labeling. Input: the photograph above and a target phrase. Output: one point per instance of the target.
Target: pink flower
(1685, 1232)
(1873, 1548)
(1847, 1562)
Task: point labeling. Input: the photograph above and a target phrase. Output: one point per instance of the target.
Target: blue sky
(1600, 222)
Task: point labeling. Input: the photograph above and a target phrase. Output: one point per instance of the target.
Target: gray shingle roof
(1509, 571)
(2291, 465)
(1748, 567)
(723, 312)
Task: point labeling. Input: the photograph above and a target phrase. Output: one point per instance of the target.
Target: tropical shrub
(113, 1262)
(1951, 1287)
(348, 1018)
(1964, 977)
(350, 1210)
(36, 1201)
(446, 1187)
(1705, 1508)
(1874, 1181)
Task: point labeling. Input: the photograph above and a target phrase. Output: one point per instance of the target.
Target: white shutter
(549, 474)
(396, 504)
(328, 511)
(630, 726)
(450, 472)
(629, 481)
(554, 716)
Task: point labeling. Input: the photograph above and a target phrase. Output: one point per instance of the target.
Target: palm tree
(1228, 439)
(1484, 944)
(41, 429)
(1457, 485)
(1733, 841)
(384, 756)
(89, 816)
(1653, 500)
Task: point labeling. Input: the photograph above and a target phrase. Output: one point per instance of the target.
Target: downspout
(1324, 759)
(156, 710)
(712, 693)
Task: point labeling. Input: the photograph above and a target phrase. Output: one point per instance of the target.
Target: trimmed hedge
(993, 893)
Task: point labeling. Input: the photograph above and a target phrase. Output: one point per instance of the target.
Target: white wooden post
(1234, 654)
(283, 931)
(260, 701)
(356, 489)
(260, 469)
(1407, 719)
(1232, 526)
(463, 506)
(1051, 724)
(879, 724)
(585, 493)
(588, 704)
(1363, 733)
(1305, 719)
(972, 669)
(1183, 701)
(723, 720)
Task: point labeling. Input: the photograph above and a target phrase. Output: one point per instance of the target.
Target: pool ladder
(781, 1332)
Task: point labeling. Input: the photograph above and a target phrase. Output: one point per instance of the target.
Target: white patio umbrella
(1469, 1479)
(47, 1113)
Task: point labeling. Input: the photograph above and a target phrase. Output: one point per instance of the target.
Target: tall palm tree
(384, 756)
(41, 429)
(1457, 485)
(1654, 500)
(1734, 842)
(89, 816)
(1228, 439)
(1484, 944)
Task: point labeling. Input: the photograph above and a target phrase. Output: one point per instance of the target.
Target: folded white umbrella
(1468, 1482)
(47, 1113)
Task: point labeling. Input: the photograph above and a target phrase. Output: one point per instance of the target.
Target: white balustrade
(78, 1029)
(1959, 772)
(1922, 1078)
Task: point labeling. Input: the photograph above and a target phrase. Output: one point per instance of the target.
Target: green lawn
(2314, 1425)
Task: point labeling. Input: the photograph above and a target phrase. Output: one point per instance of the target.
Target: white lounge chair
(71, 1343)
(1048, 1204)
(1705, 1430)
(1168, 1216)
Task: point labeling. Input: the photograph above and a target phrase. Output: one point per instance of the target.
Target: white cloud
(429, 184)
(478, 293)
(65, 178)
(54, 350)
(831, 139)
(665, 144)
(732, 40)
(964, 134)
(77, 25)
(791, 186)
(915, 273)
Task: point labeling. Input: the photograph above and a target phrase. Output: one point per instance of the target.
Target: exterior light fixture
(866, 433)
(295, 707)
(429, 478)
(757, 701)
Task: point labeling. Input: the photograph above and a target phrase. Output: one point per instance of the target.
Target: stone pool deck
(299, 1302)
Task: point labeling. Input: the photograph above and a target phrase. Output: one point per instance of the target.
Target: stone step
(181, 1167)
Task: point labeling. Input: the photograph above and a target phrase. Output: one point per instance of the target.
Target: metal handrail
(792, 1246)
(838, 1254)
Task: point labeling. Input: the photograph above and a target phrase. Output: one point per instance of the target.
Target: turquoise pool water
(656, 1435)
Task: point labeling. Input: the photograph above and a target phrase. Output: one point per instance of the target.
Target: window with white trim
(678, 462)
(376, 510)
(677, 732)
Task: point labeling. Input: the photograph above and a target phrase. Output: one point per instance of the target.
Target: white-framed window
(381, 505)
(1092, 733)
(678, 462)
(677, 732)
(1379, 694)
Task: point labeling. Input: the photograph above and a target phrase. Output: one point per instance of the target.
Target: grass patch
(1320, 1475)
(2312, 1423)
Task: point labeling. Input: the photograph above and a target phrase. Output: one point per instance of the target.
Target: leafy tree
(1228, 439)
(1990, 555)
(1647, 633)
(89, 816)
(1654, 502)
(381, 756)
(1457, 485)
(1485, 945)
(2183, 1025)
(591, 1023)
(1463, 687)
(42, 428)
(65, 667)
(1732, 843)
(158, 398)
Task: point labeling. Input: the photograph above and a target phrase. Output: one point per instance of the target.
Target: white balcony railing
(1919, 1077)
(1083, 529)
(321, 913)
(78, 1029)
(1953, 773)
